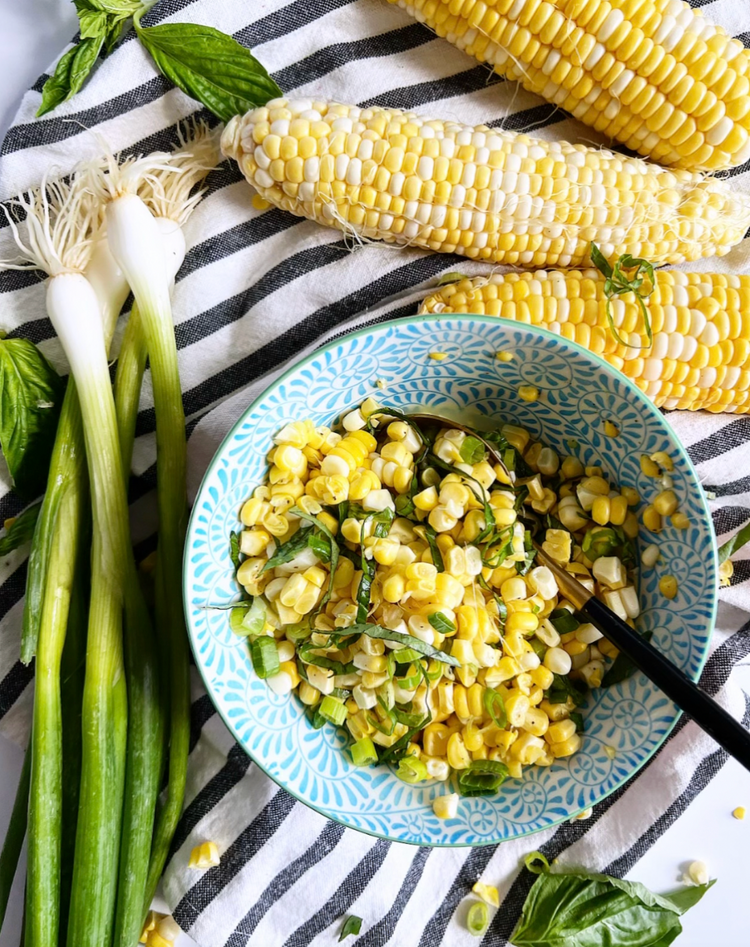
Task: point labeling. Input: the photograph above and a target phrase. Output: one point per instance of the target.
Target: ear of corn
(653, 74)
(700, 357)
(488, 195)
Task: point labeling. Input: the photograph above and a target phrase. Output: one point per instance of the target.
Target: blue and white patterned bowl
(579, 392)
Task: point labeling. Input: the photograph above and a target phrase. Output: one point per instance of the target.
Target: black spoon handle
(709, 715)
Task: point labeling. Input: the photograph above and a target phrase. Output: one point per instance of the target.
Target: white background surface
(34, 32)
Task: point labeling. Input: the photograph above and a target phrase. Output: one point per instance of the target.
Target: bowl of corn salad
(362, 593)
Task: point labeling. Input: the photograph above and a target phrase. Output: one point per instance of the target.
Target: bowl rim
(405, 321)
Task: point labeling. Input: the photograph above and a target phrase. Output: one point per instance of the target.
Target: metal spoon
(671, 680)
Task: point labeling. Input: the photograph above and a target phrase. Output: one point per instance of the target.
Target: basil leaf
(737, 541)
(441, 623)
(352, 925)
(495, 707)
(20, 530)
(288, 550)
(369, 567)
(416, 644)
(623, 667)
(586, 910)
(577, 720)
(70, 74)
(395, 752)
(472, 450)
(209, 66)
(320, 546)
(600, 261)
(431, 536)
(234, 549)
(92, 23)
(562, 688)
(31, 395)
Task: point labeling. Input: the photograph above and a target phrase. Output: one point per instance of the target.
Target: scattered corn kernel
(528, 393)
(205, 855)
(739, 813)
(668, 586)
(488, 893)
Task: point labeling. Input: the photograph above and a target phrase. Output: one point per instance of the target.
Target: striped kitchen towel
(258, 289)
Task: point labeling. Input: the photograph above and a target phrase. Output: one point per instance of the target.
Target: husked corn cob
(489, 195)
(700, 357)
(653, 74)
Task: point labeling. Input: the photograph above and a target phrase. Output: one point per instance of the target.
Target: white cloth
(258, 289)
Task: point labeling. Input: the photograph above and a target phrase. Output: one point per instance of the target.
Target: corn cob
(486, 194)
(700, 356)
(652, 74)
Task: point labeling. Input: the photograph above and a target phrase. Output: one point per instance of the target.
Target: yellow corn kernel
(487, 893)
(155, 939)
(528, 393)
(527, 748)
(456, 752)
(648, 467)
(427, 500)
(566, 747)
(536, 722)
(739, 813)
(611, 429)
(435, 739)
(665, 503)
(205, 855)
(308, 694)
(631, 495)
(517, 705)
(504, 739)
(542, 677)
(557, 712)
(351, 530)
(473, 739)
(290, 668)
(618, 510)
(680, 521)
(149, 925)
(600, 511)
(560, 731)
(344, 573)
(316, 576)
(663, 459)
(668, 586)
(652, 519)
(521, 622)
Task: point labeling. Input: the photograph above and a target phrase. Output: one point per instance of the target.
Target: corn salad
(394, 589)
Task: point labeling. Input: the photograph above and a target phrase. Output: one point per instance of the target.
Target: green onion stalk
(62, 223)
(146, 239)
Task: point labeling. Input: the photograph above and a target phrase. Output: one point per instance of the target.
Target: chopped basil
(234, 549)
(416, 644)
(623, 667)
(441, 623)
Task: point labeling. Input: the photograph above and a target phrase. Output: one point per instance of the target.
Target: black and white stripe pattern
(256, 290)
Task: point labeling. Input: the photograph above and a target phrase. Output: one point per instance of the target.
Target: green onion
(265, 657)
(600, 541)
(254, 619)
(405, 655)
(333, 710)
(236, 616)
(472, 450)
(410, 681)
(363, 752)
(564, 621)
(411, 770)
(495, 707)
(441, 623)
(131, 367)
(481, 778)
(478, 918)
